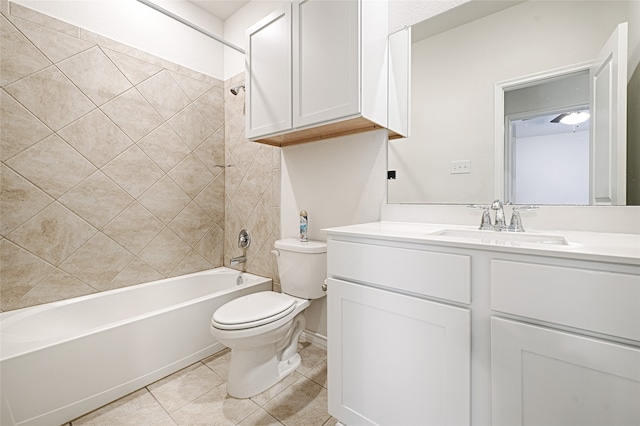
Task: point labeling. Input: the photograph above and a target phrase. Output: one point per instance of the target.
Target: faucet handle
(485, 223)
(516, 221)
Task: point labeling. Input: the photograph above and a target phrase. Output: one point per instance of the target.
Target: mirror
(450, 155)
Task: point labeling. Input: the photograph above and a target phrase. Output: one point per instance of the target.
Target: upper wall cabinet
(317, 69)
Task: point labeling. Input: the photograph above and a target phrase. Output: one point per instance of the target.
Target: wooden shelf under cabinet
(326, 131)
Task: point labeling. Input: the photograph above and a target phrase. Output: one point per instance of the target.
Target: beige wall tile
(18, 57)
(53, 234)
(211, 198)
(165, 199)
(133, 171)
(44, 20)
(191, 224)
(193, 262)
(97, 199)
(211, 246)
(52, 165)
(191, 126)
(211, 105)
(191, 175)
(165, 165)
(20, 271)
(211, 152)
(58, 285)
(96, 137)
(95, 75)
(136, 70)
(192, 87)
(51, 97)
(20, 128)
(164, 147)
(97, 262)
(164, 94)
(20, 200)
(56, 45)
(134, 228)
(165, 252)
(133, 114)
(136, 272)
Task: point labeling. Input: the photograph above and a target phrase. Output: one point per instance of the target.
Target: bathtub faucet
(240, 259)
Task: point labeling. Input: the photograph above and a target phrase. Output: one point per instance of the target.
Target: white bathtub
(64, 359)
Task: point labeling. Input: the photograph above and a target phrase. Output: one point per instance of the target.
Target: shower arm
(191, 25)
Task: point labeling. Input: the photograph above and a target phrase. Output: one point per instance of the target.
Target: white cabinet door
(326, 56)
(541, 376)
(268, 75)
(396, 359)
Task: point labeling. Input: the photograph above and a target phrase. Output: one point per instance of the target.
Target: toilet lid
(253, 310)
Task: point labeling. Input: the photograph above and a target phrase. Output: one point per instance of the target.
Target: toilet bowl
(262, 329)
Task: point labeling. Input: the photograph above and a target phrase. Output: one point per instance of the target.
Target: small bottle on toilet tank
(304, 237)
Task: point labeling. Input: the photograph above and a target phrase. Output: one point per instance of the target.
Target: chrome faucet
(499, 224)
(235, 260)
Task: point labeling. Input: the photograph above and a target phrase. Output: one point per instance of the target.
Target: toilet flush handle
(324, 286)
(276, 253)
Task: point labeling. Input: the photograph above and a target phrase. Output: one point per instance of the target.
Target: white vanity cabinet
(395, 356)
(560, 357)
(317, 69)
(425, 329)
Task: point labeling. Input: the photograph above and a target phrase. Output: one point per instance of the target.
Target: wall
(137, 25)
(252, 191)
(340, 181)
(110, 164)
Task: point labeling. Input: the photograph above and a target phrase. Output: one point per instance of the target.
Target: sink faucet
(499, 224)
(235, 260)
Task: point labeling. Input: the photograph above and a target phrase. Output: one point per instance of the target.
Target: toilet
(262, 329)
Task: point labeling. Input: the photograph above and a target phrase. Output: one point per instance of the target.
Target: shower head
(236, 89)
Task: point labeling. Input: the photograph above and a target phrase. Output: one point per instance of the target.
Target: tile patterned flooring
(197, 395)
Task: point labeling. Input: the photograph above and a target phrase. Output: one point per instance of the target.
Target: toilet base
(252, 370)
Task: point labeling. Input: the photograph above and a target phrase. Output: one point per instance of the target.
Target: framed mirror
(450, 156)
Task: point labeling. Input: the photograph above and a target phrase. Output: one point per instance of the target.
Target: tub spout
(235, 260)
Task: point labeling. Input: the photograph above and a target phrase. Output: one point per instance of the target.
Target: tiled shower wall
(113, 167)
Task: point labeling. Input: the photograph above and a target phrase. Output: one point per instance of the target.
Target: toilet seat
(253, 310)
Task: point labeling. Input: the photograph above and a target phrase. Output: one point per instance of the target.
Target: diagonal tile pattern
(112, 154)
(197, 395)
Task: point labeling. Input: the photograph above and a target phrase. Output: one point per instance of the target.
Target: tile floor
(197, 395)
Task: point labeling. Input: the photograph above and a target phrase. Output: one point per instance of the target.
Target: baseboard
(314, 338)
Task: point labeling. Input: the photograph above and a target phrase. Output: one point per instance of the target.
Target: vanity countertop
(597, 246)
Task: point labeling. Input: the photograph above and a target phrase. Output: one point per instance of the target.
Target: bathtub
(61, 360)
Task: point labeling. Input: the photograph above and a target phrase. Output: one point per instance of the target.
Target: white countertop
(598, 246)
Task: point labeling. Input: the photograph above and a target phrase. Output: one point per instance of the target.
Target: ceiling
(220, 8)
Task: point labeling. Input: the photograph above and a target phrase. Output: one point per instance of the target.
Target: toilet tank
(302, 267)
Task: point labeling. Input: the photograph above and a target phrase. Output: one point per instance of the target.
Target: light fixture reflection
(575, 118)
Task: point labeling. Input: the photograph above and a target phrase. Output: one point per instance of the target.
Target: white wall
(137, 25)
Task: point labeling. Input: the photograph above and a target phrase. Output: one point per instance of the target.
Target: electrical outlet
(460, 166)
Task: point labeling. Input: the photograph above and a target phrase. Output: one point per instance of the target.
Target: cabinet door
(542, 376)
(326, 60)
(268, 75)
(396, 359)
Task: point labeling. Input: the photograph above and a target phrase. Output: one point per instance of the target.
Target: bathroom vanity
(441, 324)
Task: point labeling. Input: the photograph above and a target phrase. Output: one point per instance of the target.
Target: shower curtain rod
(191, 25)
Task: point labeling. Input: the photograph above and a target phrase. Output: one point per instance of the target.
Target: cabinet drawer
(442, 275)
(603, 302)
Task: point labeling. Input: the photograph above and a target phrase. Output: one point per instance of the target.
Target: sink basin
(493, 237)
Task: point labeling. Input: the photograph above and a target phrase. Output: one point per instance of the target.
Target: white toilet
(262, 329)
